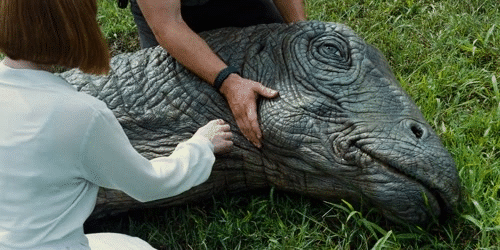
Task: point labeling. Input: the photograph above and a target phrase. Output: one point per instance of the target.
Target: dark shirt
(193, 2)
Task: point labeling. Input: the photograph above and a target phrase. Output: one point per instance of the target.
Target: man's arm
(172, 33)
(291, 10)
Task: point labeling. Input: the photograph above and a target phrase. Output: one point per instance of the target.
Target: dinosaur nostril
(417, 130)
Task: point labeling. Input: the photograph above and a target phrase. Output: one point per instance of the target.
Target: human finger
(225, 127)
(254, 123)
(219, 121)
(267, 92)
(245, 128)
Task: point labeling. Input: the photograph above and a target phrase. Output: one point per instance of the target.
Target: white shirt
(57, 146)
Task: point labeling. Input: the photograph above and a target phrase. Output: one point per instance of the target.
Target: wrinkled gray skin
(342, 128)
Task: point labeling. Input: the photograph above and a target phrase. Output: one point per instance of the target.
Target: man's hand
(241, 95)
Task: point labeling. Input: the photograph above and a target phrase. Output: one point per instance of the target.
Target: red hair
(54, 32)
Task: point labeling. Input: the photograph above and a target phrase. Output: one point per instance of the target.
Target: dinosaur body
(342, 127)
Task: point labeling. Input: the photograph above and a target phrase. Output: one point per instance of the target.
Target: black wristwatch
(223, 74)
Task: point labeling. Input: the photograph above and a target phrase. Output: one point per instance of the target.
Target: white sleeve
(110, 161)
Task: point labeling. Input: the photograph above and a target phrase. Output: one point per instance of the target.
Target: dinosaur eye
(330, 50)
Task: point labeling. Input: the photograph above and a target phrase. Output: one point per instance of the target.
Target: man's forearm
(191, 51)
(291, 10)
(172, 33)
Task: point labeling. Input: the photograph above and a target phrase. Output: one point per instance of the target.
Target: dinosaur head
(345, 126)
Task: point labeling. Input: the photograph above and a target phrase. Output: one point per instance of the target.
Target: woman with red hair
(57, 145)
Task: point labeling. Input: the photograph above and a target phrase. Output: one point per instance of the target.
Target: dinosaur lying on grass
(342, 128)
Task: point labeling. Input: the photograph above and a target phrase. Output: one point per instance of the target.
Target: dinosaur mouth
(401, 196)
(412, 200)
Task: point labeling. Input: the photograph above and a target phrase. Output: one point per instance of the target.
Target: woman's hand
(241, 95)
(219, 133)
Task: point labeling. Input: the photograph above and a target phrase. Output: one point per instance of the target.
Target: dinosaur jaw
(400, 196)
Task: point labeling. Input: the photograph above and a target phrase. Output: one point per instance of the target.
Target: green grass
(118, 27)
(446, 54)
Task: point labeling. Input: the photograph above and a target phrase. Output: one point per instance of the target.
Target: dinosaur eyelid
(329, 49)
